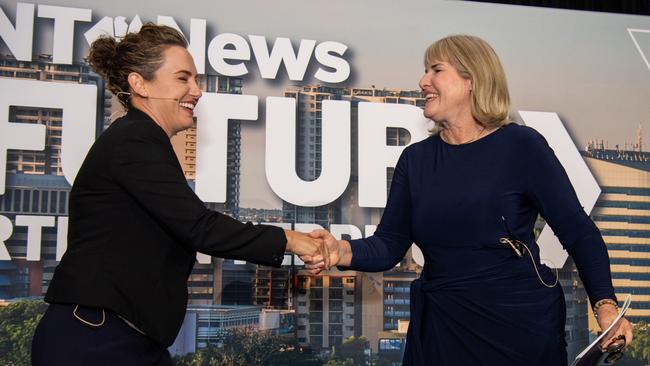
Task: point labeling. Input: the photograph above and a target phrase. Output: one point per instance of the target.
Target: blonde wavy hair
(474, 59)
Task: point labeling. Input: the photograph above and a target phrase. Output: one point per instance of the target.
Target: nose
(195, 89)
(424, 81)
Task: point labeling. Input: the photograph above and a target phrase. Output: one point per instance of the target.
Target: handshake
(320, 250)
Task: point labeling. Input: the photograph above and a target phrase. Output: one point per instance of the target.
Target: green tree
(243, 346)
(248, 347)
(378, 360)
(638, 353)
(204, 357)
(17, 324)
(350, 353)
(293, 354)
(354, 348)
(338, 362)
(640, 348)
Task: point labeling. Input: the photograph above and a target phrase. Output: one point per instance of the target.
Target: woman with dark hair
(119, 294)
(469, 196)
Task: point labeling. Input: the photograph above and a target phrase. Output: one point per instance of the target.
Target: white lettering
(370, 230)
(19, 40)
(64, 19)
(15, 135)
(218, 54)
(6, 229)
(103, 28)
(34, 224)
(116, 28)
(374, 155)
(61, 236)
(269, 63)
(213, 113)
(79, 112)
(417, 255)
(281, 153)
(203, 258)
(196, 44)
(324, 57)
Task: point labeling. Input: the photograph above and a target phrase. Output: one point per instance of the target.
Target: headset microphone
(147, 97)
(159, 98)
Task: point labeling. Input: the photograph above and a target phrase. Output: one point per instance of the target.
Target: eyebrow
(183, 72)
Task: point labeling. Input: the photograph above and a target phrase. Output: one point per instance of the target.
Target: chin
(188, 124)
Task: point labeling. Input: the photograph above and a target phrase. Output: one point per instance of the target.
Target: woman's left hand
(606, 315)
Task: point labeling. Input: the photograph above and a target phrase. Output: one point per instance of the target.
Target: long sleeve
(552, 193)
(391, 240)
(135, 227)
(145, 166)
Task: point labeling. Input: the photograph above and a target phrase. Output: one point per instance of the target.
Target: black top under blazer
(135, 227)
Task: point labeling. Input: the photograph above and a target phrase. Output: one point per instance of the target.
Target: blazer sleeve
(551, 192)
(145, 166)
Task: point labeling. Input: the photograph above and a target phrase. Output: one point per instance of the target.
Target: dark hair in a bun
(139, 52)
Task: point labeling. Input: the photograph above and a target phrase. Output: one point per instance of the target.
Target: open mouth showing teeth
(429, 97)
(189, 106)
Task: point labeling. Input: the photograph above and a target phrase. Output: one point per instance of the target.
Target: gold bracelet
(602, 302)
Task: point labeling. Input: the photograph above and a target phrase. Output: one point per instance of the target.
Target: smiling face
(171, 95)
(447, 93)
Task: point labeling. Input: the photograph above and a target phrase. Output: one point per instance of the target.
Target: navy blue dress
(476, 302)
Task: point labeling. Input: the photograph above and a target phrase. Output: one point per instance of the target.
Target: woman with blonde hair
(469, 196)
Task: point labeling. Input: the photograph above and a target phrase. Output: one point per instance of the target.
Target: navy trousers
(63, 339)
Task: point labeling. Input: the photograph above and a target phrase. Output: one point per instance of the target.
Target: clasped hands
(320, 250)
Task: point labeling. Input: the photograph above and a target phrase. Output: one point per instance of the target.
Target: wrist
(345, 253)
(289, 235)
(604, 306)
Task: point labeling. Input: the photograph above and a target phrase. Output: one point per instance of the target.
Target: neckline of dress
(473, 142)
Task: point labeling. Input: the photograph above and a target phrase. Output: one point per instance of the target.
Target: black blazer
(135, 227)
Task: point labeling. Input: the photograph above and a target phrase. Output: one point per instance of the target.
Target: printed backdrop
(306, 108)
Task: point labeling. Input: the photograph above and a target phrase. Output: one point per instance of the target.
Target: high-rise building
(575, 297)
(47, 161)
(184, 144)
(328, 307)
(386, 299)
(260, 215)
(213, 283)
(207, 325)
(309, 99)
(236, 282)
(273, 287)
(35, 185)
(369, 303)
(622, 214)
(397, 295)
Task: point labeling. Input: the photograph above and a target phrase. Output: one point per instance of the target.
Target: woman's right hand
(607, 313)
(302, 244)
(338, 251)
